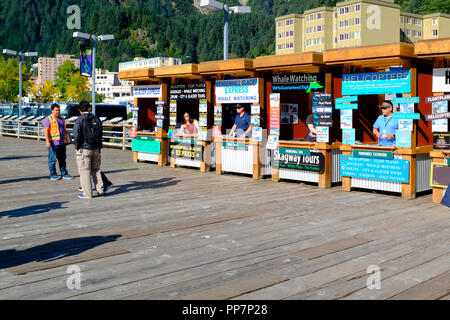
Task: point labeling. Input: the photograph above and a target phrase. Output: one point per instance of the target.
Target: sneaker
(108, 187)
(54, 178)
(67, 177)
(82, 196)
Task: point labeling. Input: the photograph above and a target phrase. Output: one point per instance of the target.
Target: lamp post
(216, 5)
(94, 40)
(21, 55)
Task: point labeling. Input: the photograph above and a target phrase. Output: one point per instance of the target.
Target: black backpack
(92, 130)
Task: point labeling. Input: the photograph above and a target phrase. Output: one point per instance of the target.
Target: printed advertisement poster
(441, 80)
(346, 118)
(255, 120)
(403, 138)
(186, 148)
(237, 91)
(323, 134)
(275, 114)
(406, 124)
(256, 109)
(441, 141)
(256, 133)
(348, 136)
(272, 142)
(440, 125)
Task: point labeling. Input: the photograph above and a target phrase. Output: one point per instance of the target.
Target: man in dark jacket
(87, 137)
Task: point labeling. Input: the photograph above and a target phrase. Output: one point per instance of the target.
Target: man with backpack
(87, 137)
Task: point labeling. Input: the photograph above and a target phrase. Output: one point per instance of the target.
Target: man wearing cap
(386, 126)
(242, 123)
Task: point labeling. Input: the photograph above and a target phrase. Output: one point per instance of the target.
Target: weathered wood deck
(176, 233)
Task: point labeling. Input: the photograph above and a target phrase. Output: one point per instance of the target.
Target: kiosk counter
(399, 160)
(437, 52)
(149, 120)
(190, 143)
(237, 83)
(298, 94)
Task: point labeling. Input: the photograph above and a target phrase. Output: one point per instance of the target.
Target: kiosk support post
(438, 193)
(161, 135)
(256, 161)
(205, 165)
(135, 153)
(325, 176)
(218, 143)
(346, 181)
(409, 189)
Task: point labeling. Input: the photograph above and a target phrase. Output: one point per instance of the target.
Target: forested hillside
(149, 28)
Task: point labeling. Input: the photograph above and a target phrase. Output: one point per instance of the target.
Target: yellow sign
(440, 175)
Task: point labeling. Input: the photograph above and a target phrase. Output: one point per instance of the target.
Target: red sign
(133, 132)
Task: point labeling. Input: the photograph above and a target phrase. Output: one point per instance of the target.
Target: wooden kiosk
(364, 164)
(236, 81)
(292, 77)
(188, 92)
(150, 142)
(438, 53)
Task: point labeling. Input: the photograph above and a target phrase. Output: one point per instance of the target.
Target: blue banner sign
(347, 106)
(346, 99)
(406, 100)
(395, 170)
(399, 115)
(376, 83)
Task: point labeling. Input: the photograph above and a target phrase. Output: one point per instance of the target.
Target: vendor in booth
(189, 126)
(242, 123)
(386, 126)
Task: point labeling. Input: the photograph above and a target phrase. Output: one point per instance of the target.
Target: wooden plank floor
(176, 233)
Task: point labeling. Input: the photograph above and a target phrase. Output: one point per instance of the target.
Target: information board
(440, 175)
(395, 170)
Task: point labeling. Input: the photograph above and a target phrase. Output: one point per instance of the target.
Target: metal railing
(114, 134)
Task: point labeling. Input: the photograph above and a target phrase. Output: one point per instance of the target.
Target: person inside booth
(189, 126)
(242, 123)
(385, 126)
(310, 129)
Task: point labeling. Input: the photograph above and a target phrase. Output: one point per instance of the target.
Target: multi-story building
(47, 67)
(108, 84)
(355, 23)
(152, 63)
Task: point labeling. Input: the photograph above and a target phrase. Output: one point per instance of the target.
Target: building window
(357, 34)
(319, 28)
(434, 21)
(408, 32)
(417, 22)
(408, 20)
(357, 7)
(357, 21)
(291, 33)
(435, 33)
(419, 34)
(319, 16)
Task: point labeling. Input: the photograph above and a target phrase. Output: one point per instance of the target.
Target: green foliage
(9, 80)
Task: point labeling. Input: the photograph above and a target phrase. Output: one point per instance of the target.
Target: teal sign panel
(395, 170)
(376, 83)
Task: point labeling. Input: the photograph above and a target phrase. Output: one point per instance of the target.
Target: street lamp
(21, 55)
(216, 5)
(87, 36)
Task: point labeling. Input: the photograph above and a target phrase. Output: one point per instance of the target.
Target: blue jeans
(57, 153)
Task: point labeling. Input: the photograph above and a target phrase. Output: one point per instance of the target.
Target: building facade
(152, 63)
(47, 67)
(108, 84)
(355, 23)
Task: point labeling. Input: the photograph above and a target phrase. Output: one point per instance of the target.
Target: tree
(9, 80)
(48, 93)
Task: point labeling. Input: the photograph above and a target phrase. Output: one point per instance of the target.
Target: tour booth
(189, 93)
(371, 75)
(149, 113)
(237, 82)
(437, 52)
(299, 90)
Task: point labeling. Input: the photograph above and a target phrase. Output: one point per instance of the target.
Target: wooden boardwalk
(176, 233)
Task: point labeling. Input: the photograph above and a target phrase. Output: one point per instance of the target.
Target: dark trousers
(57, 153)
